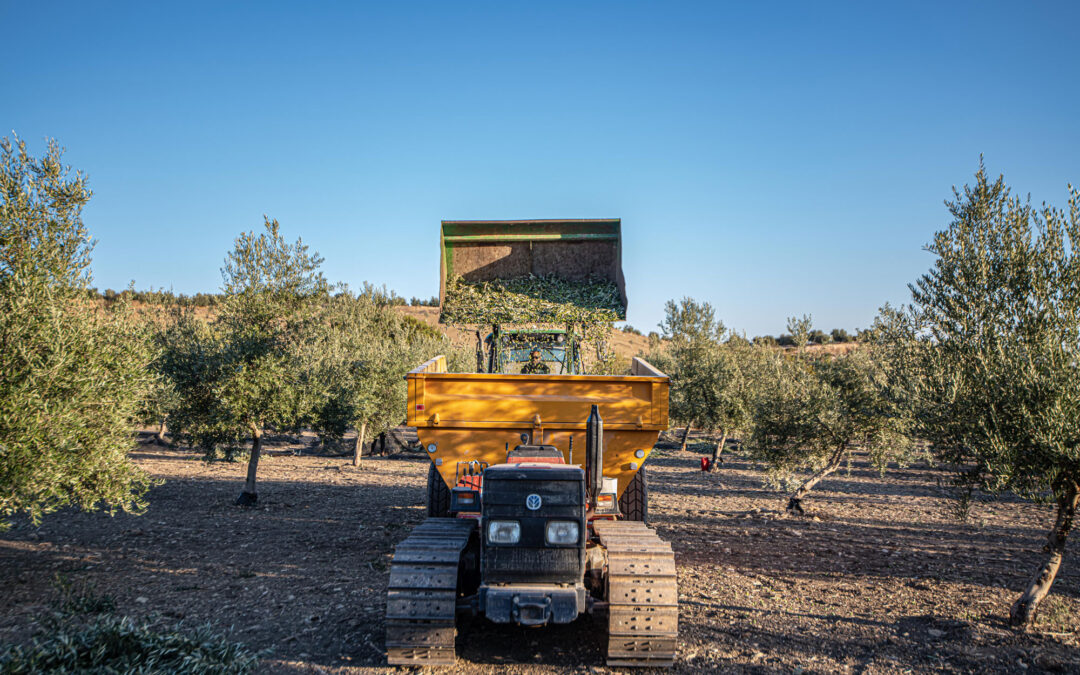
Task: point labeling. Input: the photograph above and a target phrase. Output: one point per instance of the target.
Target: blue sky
(772, 158)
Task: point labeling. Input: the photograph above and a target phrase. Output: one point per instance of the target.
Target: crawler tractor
(537, 502)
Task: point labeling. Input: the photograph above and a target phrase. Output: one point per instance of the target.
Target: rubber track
(421, 598)
(643, 595)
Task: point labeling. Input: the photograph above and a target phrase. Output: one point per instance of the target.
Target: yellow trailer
(465, 417)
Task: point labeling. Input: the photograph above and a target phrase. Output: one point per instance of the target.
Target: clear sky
(772, 158)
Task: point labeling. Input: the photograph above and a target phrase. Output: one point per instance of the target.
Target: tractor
(536, 496)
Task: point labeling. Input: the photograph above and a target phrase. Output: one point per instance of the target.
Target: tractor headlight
(561, 532)
(504, 532)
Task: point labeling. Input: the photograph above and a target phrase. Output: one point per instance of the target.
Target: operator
(535, 366)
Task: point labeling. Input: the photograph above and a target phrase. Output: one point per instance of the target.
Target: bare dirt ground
(879, 577)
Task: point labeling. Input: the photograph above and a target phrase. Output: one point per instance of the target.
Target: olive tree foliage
(710, 384)
(356, 361)
(800, 328)
(241, 374)
(73, 374)
(809, 412)
(162, 398)
(987, 356)
(195, 362)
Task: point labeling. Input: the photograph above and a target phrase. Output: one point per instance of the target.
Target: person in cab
(535, 366)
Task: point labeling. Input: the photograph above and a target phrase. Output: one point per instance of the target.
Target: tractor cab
(530, 351)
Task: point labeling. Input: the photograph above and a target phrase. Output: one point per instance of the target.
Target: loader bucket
(573, 250)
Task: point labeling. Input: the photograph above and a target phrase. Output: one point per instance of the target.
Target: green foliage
(736, 340)
(82, 635)
(588, 308)
(841, 335)
(112, 644)
(986, 357)
(380, 295)
(157, 297)
(710, 386)
(810, 411)
(630, 330)
(82, 599)
(531, 300)
(356, 358)
(819, 337)
(194, 361)
(240, 373)
(691, 323)
(414, 327)
(799, 328)
(161, 398)
(765, 341)
(73, 374)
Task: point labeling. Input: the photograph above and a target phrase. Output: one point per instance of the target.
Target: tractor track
(643, 595)
(421, 600)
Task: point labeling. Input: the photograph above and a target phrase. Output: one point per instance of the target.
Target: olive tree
(241, 373)
(811, 411)
(988, 356)
(271, 290)
(162, 398)
(690, 329)
(710, 387)
(359, 355)
(73, 373)
(194, 361)
(720, 392)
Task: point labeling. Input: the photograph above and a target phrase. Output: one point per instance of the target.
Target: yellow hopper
(465, 417)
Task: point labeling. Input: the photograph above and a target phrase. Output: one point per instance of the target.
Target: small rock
(1048, 662)
(142, 600)
(935, 633)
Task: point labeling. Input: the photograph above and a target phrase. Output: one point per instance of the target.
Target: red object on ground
(704, 463)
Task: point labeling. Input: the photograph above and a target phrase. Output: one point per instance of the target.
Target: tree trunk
(248, 497)
(718, 451)
(382, 444)
(162, 430)
(794, 504)
(1026, 606)
(685, 435)
(359, 447)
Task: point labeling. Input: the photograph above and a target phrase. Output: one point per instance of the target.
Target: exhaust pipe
(594, 453)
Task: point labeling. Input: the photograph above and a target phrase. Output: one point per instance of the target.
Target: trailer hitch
(532, 610)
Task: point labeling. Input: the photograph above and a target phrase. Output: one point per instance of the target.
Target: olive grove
(986, 358)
